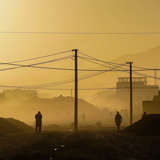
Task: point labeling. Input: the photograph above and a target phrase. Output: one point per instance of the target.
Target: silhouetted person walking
(38, 118)
(118, 120)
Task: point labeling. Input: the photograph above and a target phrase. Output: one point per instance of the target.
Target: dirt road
(85, 145)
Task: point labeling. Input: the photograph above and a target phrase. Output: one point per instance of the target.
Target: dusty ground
(103, 144)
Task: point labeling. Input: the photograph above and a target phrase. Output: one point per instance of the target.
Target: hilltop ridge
(145, 58)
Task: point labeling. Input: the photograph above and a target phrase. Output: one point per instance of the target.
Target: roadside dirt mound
(10, 125)
(148, 126)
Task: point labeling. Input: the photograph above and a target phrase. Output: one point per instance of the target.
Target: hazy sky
(78, 16)
(73, 16)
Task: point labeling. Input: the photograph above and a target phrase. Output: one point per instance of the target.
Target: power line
(122, 65)
(84, 58)
(88, 58)
(102, 61)
(91, 59)
(146, 75)
(82, 78)
(40, 57)
(43, 86)
(114, 88)
(58, 83)
(82, 33)
(25, 87)
(34, 65)
(68, 89)
(96, 61)
(70, 81)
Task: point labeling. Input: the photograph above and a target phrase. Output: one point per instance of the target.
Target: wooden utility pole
(76, 92)
(131, 93)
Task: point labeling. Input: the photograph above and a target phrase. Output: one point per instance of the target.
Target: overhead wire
(110, 66)
(122, 67)
(40, 57)
(89, 58)
(81, 33)
(58, 83)
(34, 65)
(118, 64)
(99, 60)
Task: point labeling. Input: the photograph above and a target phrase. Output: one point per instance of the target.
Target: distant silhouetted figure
(38, 118)
(118, 120)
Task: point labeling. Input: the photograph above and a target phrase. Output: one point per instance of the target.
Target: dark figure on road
(38, 118)
(118, 120)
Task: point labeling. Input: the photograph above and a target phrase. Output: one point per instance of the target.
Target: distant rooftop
(134, 79)
(138, 82)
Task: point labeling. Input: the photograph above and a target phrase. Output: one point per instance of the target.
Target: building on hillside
(153, 106)
(119, 98)
(141, 91)
(140, 88)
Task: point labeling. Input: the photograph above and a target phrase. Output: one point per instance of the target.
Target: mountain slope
(10, 125)
(148, 58)
(55, 110)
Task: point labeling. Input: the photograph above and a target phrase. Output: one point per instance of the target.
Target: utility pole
(131, 93)
(76, 91)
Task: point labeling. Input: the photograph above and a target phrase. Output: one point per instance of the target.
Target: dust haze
(94, 106)
(24, 104)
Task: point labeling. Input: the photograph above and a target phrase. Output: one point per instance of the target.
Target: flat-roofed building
(153, 106)
(141, 90)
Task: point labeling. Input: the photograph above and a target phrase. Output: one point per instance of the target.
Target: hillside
(62, 108)
(55, 110)
(147, 58)
(10, 125)
(147, 126)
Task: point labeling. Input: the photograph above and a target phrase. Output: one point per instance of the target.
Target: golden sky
(73, 16)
